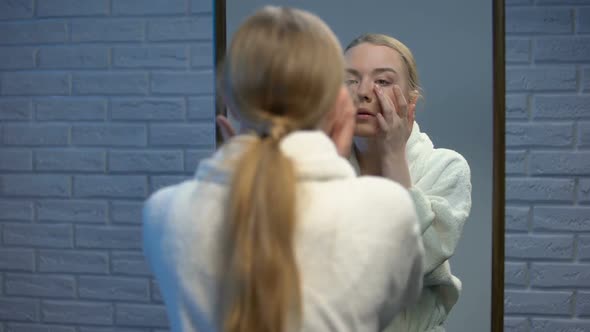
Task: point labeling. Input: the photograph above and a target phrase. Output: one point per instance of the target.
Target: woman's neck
(368, 156)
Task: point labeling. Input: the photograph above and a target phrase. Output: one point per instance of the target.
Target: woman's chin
(365, 130)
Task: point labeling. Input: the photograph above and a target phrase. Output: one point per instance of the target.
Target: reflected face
(368, 65)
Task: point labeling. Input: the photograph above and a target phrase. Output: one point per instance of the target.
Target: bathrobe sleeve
(442, 196)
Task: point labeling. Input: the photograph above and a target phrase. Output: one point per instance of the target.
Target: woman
(382, 76)
(275, 232)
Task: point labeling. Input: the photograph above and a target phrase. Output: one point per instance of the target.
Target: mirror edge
(219, 31)
(498, 193)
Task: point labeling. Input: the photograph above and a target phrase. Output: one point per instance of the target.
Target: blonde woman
(276, 232)
(382, 76)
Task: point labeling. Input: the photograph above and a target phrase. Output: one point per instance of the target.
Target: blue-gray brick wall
(101, 103)
(547, 269)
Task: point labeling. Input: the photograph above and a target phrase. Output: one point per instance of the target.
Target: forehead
(365, 57)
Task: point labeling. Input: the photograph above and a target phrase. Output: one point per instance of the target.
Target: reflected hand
(395, 121)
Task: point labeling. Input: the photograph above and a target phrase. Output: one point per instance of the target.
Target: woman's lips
(364, 114)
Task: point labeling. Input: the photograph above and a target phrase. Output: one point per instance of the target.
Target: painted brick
(70, 160)
(560, 163)
(126, 212)
(16, 210)
(107, 30)
(110, 83)
(517, 106)
(183, 83)
(146, 7)
(130, 264)
(541, 79)
(48, 8)
(109, 237)
(193, 157)
(539, 189)
(15, 160)
(70, 109)
(516, 218)
(583, 304)
(33, 32)
(16, 57)
(561, 107)
(77, 312)
(141, 315)
(201, 108)
(146, 161)
(183, 135)
(538, 302)
(111, 288)
(24, 310)
(159, 182)
(517, 2)
(33, 235)
(583, 20)
(202, 55)
(518, 50)
(19, 327)
(539, 134)
(515, 274)
(516, 324)
(68, 261)
(562, 218)
(121, 186)
(15, 109)
(562, 49)
(73, 57)
(202, 6)
(40, 285)
(109, 135)
(584, 247)
(71, 210)
(559, 325)
(539, 246)
(15, 9)
(36, 185)
(516, 162)
(17, 260)
(151, 57)
(539, 20)
(110, 329)
(180, 29)
(560, 275)
(164, 109)
(35, 83)
(584, 190)
(35, 134)
(584, 134)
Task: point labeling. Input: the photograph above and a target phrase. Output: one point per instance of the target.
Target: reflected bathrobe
(441, 190)
(357, 244)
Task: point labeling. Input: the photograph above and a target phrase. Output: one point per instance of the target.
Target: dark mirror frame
(498, 20)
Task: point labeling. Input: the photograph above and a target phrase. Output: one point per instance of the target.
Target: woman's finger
(402, 104)
(387, 107)
(383, 124)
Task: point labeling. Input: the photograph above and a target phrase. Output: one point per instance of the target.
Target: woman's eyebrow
(386, 69)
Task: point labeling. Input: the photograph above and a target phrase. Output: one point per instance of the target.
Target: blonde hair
(282, 73)
(401, 49)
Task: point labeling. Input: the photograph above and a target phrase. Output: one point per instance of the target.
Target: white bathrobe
(441, 190)
(358, 243)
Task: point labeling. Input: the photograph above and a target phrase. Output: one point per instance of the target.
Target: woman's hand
(395, 126)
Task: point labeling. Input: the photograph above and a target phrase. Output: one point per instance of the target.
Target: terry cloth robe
(441, 190)
(357, 240)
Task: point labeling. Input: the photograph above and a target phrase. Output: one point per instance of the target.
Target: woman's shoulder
(157, 206)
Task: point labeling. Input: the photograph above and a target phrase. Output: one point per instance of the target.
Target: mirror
(454, 47)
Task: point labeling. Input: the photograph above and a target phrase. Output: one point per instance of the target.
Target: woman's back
(358, 258)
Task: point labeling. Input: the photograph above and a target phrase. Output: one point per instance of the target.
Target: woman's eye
(350, 82)
(382, 82)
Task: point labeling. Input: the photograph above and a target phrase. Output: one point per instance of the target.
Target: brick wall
(548, 166)
(101, 103)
